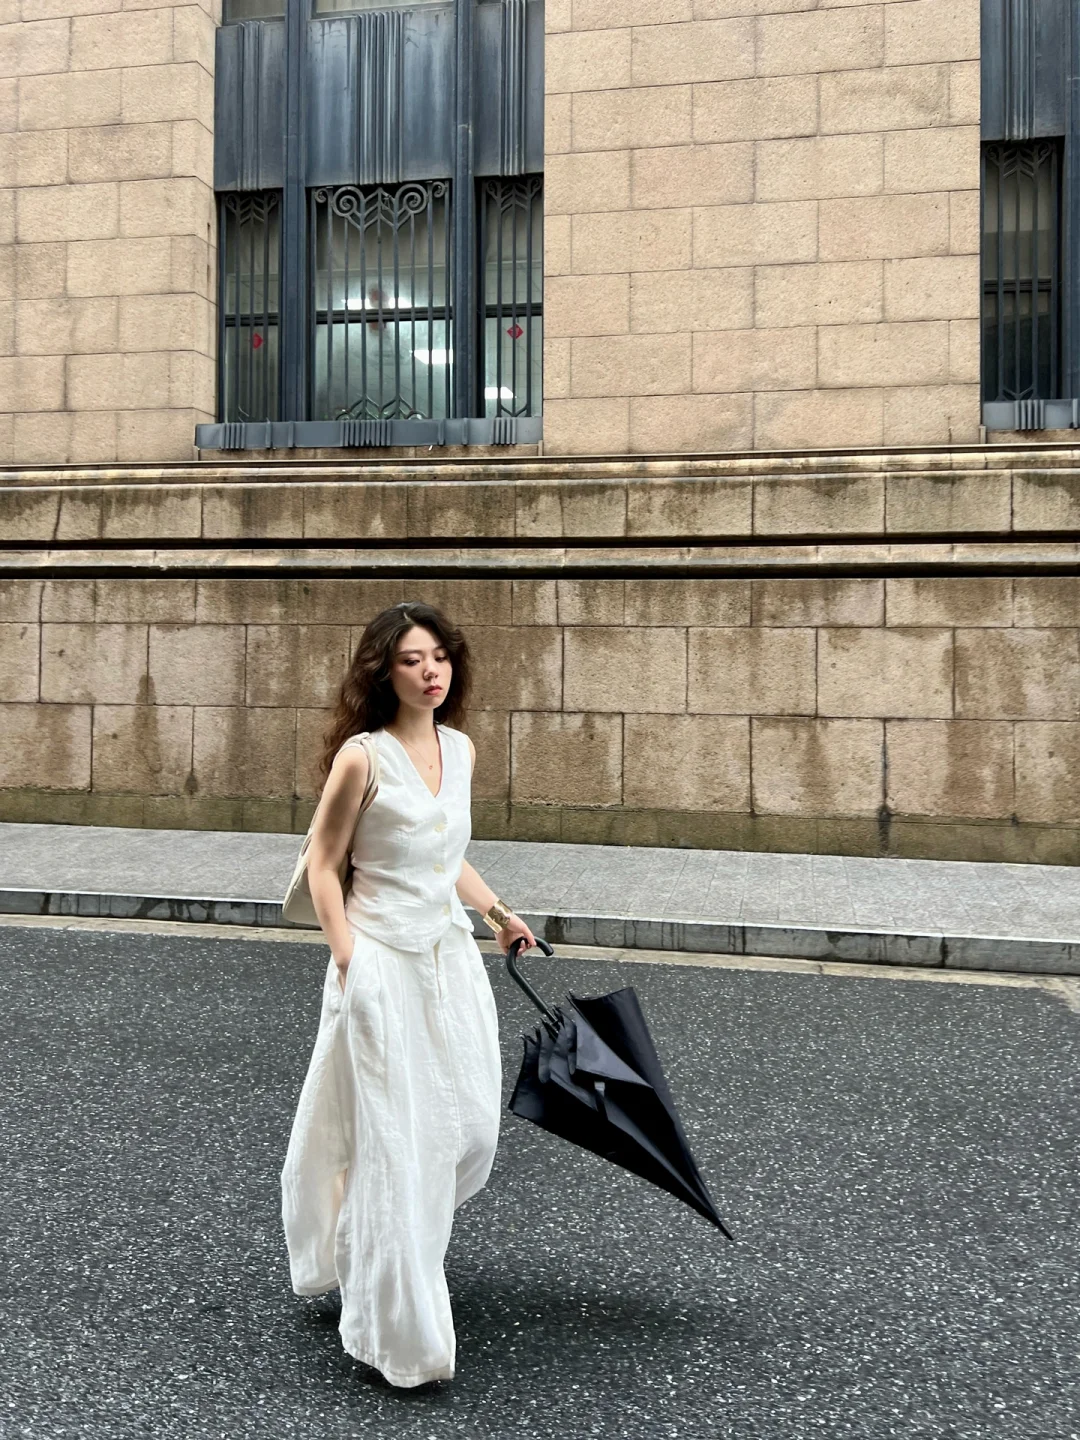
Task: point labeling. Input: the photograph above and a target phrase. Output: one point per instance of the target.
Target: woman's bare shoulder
(350, 766)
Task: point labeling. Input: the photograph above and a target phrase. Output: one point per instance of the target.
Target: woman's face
(421, 670)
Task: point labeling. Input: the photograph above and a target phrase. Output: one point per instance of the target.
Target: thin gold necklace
(412, 747)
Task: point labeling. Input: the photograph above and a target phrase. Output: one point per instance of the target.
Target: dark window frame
(1030, 94)
(339, 98)
(525, 193)
(1011, 296)
(394, 208)
(259, 322)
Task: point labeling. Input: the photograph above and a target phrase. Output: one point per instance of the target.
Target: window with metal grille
(382, 338)
(1021, 266)
(511, 245)
(249, 261)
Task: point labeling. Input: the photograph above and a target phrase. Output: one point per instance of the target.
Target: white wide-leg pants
(397, 1124)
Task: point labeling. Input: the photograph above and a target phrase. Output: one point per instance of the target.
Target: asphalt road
(898, 1162)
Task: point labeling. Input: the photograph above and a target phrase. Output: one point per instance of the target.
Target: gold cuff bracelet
(496, 916)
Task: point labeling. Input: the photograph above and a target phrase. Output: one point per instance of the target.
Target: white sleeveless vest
(409, 847)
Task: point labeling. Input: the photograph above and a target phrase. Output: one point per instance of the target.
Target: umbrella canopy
(591, 1075)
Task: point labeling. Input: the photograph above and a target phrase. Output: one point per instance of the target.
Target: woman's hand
(515, 929)
(343, 960)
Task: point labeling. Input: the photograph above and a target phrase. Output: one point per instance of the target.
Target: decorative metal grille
(1021, 264)
(382, 286)
(249, 260)
(511, 246)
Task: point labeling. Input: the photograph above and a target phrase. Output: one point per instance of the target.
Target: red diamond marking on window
(515, 332)
(256, 342)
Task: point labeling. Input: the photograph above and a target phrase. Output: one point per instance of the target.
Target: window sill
(1021, 415)
(366, 434)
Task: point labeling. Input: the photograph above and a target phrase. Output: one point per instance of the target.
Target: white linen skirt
(397, 1124)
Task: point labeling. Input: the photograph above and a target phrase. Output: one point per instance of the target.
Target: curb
(932, 950)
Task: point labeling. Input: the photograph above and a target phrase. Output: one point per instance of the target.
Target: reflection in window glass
(383, 333)
(252, 10)
(1021, 260)
(512, 279)
(249, 261)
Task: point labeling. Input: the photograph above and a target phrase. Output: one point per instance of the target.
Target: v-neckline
(415, 769)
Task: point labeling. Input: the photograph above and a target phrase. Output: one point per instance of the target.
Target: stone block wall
(934, 716)
(107, 229)
(762, 224)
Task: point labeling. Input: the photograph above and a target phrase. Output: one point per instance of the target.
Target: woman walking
(398, 1117)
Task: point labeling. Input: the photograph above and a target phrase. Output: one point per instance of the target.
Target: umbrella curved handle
(511, 965)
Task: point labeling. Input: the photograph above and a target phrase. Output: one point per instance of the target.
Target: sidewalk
(822, 907)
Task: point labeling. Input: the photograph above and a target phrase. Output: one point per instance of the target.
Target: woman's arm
(335, 823)
(475, 891)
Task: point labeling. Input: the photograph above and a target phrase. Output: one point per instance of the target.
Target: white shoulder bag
(297, 907)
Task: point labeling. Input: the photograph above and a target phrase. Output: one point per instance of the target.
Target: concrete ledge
(933, 950)
(803, 558)
(91, 905)
(812, 497)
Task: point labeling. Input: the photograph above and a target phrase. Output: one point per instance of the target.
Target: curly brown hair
(366, 699)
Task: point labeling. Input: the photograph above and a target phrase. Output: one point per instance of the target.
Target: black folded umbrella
(591, 1075)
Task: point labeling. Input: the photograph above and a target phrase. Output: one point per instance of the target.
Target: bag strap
(365, 741)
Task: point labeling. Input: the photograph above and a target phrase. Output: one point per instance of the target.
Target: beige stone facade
(762, 224)
(107, 229)
(707, 675)
(761, 236)
(745, 713)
